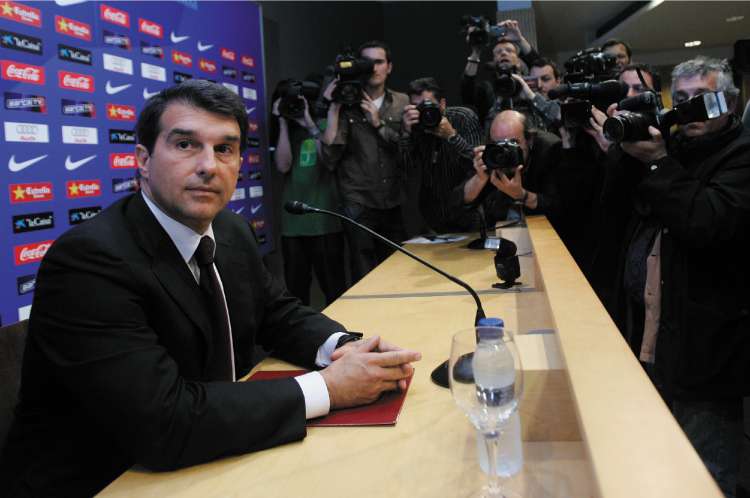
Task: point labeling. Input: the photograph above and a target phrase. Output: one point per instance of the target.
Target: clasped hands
(361, 370)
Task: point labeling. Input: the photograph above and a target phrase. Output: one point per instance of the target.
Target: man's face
(505, 53)
(382, 67)
(507, 127)
(685, 88)
(192, 171)
(635, 87)
(427, 95)
(620, 53)
(545, 78)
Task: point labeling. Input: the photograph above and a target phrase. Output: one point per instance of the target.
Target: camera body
(505, 85)
(504, 155)
(292, 105)
(590, 65)
(353, 72)
(484, 33)
(430, 114)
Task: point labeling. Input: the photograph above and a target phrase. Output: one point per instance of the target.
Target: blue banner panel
(73, 77)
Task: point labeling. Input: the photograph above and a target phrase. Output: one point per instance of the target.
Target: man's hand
(410, 117)
(306, 120)
(513, 33)
(362, 370)
(444, 130)
(371, 110)
(513, 187)
(597, 120)
(480, 168)
(526, 92)
(647, 151)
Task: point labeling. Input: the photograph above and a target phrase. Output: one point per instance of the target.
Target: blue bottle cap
(491, 322)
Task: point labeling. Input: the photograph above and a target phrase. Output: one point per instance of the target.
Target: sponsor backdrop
(74, 77)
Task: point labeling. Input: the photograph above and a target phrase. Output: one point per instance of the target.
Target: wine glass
(486, 381)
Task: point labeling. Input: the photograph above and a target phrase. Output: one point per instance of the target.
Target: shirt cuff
(323, 357)
(315, 391)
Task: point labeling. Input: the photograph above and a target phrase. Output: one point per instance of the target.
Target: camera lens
(628, 127)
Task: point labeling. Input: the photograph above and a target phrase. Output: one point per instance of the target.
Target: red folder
(384, 411)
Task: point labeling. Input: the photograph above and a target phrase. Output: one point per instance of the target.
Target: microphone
(440, 374)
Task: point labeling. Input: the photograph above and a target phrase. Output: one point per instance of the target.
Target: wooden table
(593, 425)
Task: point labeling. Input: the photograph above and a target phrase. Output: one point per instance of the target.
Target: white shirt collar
(184, 238)
(379, 101)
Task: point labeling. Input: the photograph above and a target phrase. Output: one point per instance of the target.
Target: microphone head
(297, 207)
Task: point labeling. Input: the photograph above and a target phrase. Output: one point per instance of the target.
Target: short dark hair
(506, 40)
(428, 84)
(646, 69)
(614, 41)
(376, 44)
(202, 94)
(543, 61)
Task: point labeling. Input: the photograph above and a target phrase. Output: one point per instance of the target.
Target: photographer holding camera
(517, 170)
(314, 243)
(438, 143)
(361, 144)
(620, 50)
(507, 89)
(686, 271)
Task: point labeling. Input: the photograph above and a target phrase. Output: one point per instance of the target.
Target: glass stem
(491, 440)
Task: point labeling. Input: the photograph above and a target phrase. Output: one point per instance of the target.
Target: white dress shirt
(317, 401)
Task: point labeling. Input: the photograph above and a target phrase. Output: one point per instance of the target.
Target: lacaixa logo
(19, 12)
(248, 61)
(17, 41)
(180, 77)
(20, 102)
(115, 16)
(79, 215)
(73, 54)
(31, 253)
(229, 55)
(152, 50)
(122, 160)
(25, 284)
(182, 58)
(150, 28)
(33, 221)
(120, 112)
(121, 136)
(78, 108)
(75, 81)
(30, 192)
(25, 73)
(75, 189)
(71, 27)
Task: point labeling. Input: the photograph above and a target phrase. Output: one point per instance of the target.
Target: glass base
(502, 493)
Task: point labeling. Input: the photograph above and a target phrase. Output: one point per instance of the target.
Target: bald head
(510, 124)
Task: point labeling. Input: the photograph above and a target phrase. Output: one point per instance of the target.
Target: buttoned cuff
(317, 401)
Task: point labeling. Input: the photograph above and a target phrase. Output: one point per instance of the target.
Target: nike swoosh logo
(255, 209)
(147, 95)
(177, 39)
(73, 165)
(249, 110)
(238, 211)
(111, 90)
(15, 167)
(202, 47)
(65, 3)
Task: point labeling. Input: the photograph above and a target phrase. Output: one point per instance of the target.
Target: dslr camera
(504, 84)
(429, 115)
(353, 72)
(504, 155)
(484, 32)
(292, 105)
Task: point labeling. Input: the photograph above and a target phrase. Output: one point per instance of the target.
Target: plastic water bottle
(494, 374)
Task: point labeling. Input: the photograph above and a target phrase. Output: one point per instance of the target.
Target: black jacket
(699, 196)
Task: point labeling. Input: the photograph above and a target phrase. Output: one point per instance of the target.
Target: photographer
(438, 144)
(620, 50)
(544, 75)
(507, 90)
(361, 144)
(686, 270)
(530, 184)
(315, 243)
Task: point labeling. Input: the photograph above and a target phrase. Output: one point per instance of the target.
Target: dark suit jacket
(114, 372)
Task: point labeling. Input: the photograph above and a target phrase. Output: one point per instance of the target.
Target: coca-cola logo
(150, 28)
(30, 192)
(121, 160)
(71, 27)
(75, 81)
(26, 73)
(31, 253)
(115, 16)
(229, 55)
(248, 61)
(21, 13)
(119, 112)
(182, 58)
(83, 188)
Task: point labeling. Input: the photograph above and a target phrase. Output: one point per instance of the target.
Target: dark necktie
(220, 363)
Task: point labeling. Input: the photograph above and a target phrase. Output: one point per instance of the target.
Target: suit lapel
(168, 266)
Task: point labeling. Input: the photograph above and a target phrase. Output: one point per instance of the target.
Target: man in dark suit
(145, 316)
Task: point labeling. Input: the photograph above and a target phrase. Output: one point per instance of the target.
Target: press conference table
(593, 425)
